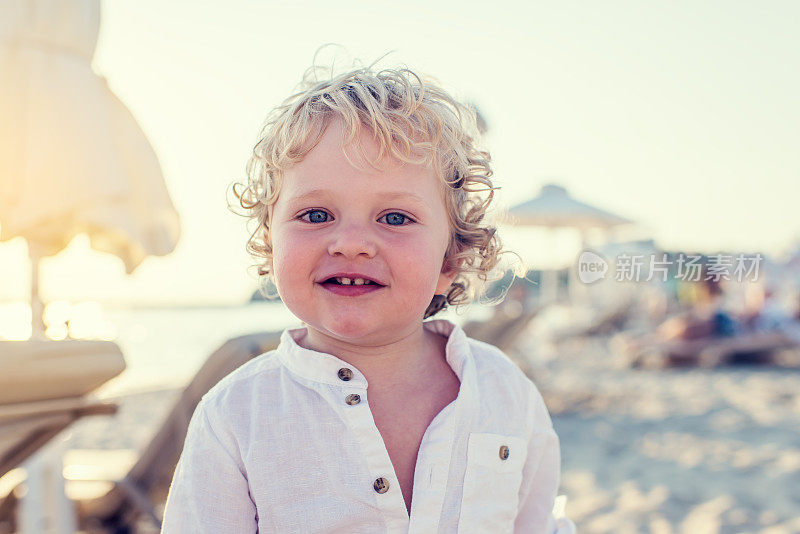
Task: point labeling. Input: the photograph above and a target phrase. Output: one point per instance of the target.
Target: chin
(349, 328)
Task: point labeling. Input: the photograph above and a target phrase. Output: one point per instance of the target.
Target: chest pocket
(491, 483)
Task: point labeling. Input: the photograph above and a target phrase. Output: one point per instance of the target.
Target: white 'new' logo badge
(591, 267)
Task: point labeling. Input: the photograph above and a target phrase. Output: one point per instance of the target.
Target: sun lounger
(27, 426)
(146, 485)
(503, 330)
(42, 390)
(610, 321)
(39, 370)
(709, 352)
(44, 387)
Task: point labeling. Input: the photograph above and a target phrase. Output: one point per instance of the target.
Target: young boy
(370, 196)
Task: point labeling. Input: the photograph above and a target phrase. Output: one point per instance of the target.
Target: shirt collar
(324, 368)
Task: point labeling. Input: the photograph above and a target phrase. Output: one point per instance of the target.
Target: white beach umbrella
(554, 208)
(72, 157)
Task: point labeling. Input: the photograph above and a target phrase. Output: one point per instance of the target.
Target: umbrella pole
(37, 308)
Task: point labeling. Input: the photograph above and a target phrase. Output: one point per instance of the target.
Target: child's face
(332, 220)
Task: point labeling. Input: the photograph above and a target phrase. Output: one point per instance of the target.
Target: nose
(352, 240)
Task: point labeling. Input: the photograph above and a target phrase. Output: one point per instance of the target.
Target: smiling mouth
(350, 287)
(342, 281)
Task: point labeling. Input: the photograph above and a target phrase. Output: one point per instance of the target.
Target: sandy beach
(672, 451)
(668, 451)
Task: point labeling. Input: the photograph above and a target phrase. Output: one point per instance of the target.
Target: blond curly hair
(414, 120)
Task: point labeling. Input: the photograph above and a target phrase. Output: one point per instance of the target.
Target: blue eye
(396, 219)
(315, 216)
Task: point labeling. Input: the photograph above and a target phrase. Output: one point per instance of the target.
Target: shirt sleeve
(541, 476)
(209, 491)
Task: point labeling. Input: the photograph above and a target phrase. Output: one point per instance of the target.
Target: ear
(446, 277)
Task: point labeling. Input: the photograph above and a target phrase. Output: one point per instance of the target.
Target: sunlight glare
(15, 321)
(87, 321)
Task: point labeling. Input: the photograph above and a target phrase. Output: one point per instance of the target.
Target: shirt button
(381, 485)
(504, 452)
(345, 374)
(352, 400)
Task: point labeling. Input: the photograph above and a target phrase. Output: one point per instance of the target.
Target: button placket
(356, 412)
(345, 374)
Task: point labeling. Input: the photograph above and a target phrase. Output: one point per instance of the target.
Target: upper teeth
(355, 281)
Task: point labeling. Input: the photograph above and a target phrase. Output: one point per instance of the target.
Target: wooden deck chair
(609, 322)
(711, 352)
(757, 348)
(503, 330)
(44, 387)
(146, 485)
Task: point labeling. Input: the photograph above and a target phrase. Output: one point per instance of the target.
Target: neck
(388, 363)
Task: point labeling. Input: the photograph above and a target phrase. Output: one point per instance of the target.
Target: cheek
(423, 259)
(288, 256)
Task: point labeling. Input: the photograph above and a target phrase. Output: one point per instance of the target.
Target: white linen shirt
(281, 445)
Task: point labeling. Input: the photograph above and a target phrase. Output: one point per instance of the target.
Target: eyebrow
(399, 195)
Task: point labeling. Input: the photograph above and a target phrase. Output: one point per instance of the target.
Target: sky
(680, 115)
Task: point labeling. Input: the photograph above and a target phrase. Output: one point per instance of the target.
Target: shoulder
(498, 375)
(491, 361)
(238, 387)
